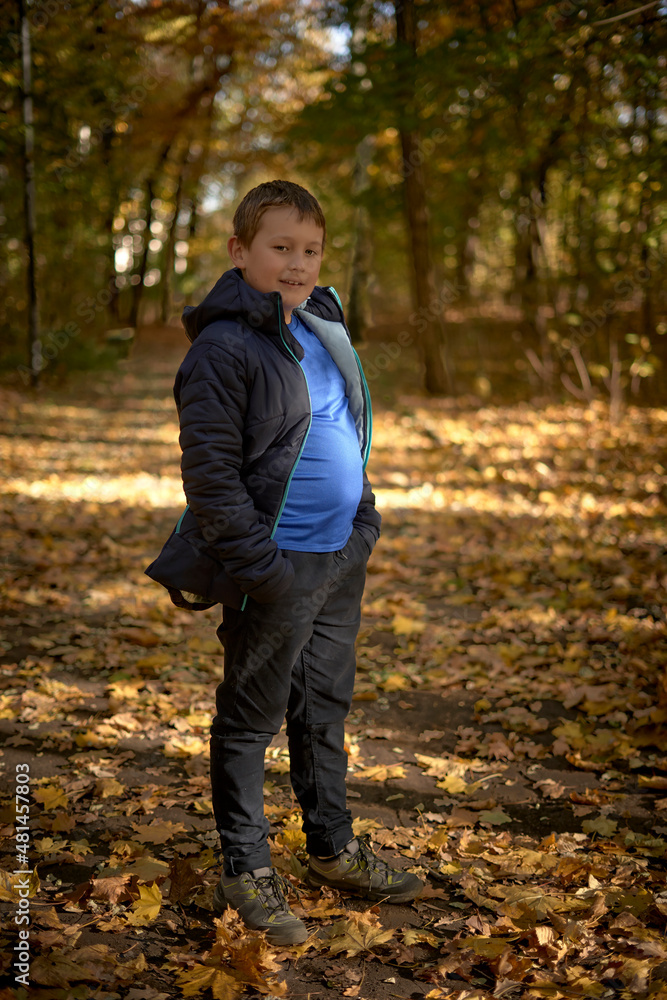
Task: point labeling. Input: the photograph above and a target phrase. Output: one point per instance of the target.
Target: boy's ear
(236, 251)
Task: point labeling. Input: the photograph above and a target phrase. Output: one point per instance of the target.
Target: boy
(275, 433)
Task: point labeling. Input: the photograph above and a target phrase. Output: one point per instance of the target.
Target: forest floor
(507, 741)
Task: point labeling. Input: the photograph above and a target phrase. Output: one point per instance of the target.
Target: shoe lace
(273, 890)
(368, 860)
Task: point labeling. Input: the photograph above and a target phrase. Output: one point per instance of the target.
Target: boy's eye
(313, 253)
(280, 248)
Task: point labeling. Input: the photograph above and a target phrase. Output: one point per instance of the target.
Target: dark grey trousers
(291, 659)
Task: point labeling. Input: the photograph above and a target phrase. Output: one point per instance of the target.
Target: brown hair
(275, 194)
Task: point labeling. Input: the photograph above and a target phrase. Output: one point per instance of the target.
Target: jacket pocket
(186, 565)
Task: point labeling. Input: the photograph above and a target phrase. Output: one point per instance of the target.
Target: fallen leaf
(360, 932)
(157, 832)
(147, 907)
(380, 772)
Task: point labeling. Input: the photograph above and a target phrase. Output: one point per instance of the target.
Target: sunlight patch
(141, 489)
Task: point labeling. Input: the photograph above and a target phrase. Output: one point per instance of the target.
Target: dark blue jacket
(245, 411)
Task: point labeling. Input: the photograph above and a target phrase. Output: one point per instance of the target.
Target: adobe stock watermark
(595, 319)
(119, 109)
(303, 610)
(467, 102)
(23, 869)
(419, 321)
(556, 15)
(54, 342)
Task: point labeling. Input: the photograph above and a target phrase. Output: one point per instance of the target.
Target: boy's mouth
(286, 281)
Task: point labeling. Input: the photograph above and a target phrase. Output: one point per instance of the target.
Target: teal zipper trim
(337, 296)
(369, 411)
(305, 437)
(367, 394)
(180, 520)
(303, 443)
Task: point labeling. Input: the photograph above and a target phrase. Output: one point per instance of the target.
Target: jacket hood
(231, 298)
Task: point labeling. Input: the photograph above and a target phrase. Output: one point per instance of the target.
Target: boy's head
(275, 194)
(278, 241)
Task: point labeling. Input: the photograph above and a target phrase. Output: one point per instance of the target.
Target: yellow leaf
(107, 788)
(322, 909)
(185, 746)
(253, 961)
(402, 625)
(201, 977)
(80, 847)
(46, 845)
(438, 839)
(396, 682)
(453, 784)
(9, 889)
(200, 645)
(380, 772)
(146, 908)
(204, 806)
(7, 893)
(494, 816)
(157, 832)
(291, 836)
(522, 902)
(155, 660)
(440, 767)
(487, 947)
(52, 796)
(147, 868)
(601, 825)
(363, 825)
(90, 738)
(360, 932)
(581, 981)
(413, 935)
(572, 733)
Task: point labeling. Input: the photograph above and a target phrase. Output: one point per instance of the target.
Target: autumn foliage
(507, 741)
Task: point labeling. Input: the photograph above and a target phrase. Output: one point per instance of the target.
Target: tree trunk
(357, 305)
(113, 306)
(168, 271)
(427, 305)
(646, 197)
(150, 194)
(34, 341)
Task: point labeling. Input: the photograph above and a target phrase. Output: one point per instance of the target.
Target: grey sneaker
(259, 897)
(358, 870)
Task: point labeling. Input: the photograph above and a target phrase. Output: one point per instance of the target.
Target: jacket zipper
(305, 437)
(368, 421)
(303, 443)
(369, 411)
(180, 520)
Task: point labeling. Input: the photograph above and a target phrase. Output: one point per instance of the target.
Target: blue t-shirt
(326, 486)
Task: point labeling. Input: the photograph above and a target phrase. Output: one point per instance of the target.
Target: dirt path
(507, 740)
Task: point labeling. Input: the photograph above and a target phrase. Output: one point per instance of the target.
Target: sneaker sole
(357, 890)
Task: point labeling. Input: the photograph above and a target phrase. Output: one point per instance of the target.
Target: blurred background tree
(492, 175)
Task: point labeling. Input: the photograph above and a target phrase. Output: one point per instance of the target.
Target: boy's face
(285, 256)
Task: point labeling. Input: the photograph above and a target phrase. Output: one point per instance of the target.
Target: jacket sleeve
(367, 520)
(212, 400)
